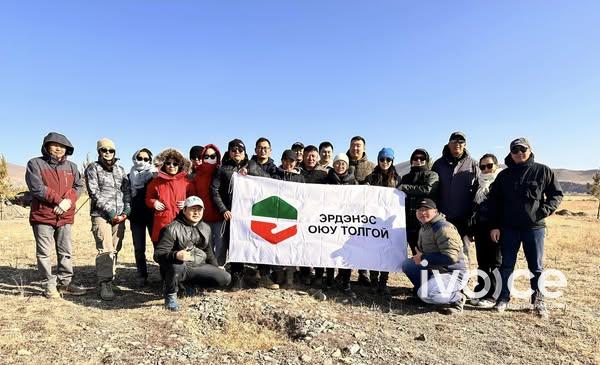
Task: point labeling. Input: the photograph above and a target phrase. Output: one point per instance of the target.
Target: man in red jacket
(55, 185)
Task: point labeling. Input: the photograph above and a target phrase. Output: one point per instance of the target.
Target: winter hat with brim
(386, 152)
(341, 157)
(196, 152)
(457, 136)
(236, 143)
(288, 155)
(105, 143)
(193, 201)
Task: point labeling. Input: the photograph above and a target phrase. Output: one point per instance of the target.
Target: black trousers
(489, 258)
(204, 276)
(138, 235)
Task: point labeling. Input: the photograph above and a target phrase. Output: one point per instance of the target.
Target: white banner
(343, 226)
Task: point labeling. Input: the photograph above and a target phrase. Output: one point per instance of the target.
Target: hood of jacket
(171, 153)
(217, 151)
(56, 138)
(143, 149)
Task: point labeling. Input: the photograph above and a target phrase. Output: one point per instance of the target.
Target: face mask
(141, 165)
(210, 160)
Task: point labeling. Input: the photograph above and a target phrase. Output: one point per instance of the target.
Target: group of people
(185, 205)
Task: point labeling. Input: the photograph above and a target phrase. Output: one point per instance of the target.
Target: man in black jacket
(521, 197)
(185, 249)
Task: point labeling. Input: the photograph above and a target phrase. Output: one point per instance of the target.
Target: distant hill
(16, 174)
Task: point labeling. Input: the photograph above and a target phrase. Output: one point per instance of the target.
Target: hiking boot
(51, 293)
(106, 291)
(539, 307)
(266, 282)
(72, 289)
(456, 307)
(236, 282)
(306, 279)
(501, 306)
(347, 291)
(363, 280)
(171, 302)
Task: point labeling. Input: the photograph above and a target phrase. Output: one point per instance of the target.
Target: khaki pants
(109, 240)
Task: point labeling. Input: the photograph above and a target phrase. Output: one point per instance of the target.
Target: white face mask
(141, 165)
(211, 161)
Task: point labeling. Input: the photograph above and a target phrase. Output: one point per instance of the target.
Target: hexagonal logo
(274, 213)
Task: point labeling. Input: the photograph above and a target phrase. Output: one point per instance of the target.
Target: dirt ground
(257, 326)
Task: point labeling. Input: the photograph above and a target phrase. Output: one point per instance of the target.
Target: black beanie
(196, 152)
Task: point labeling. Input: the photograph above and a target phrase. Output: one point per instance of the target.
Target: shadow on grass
(25, 281)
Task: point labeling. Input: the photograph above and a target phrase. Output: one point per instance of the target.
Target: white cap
(193, 201)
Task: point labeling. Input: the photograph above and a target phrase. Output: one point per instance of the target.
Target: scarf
(139, 175)
(484, 180)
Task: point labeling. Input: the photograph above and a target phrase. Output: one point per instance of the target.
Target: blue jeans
(533, 247)
(440, 288)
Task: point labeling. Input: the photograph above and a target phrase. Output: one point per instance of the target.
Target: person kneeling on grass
(186, 254)
(437, 270)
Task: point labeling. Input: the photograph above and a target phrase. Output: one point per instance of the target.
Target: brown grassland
(257, 326)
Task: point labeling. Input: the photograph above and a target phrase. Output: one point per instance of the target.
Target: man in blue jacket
(521, 197)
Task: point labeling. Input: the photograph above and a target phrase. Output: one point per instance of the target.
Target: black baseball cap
(426, 203)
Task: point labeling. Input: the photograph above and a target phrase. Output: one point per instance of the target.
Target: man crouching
(438, 270)
(186, 254)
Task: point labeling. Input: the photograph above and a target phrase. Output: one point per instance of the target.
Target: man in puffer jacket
(520, 198)
(55, 185)
(185, 250)
(438, 270)
(110, 197)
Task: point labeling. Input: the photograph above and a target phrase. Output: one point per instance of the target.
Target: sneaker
(266, 282)
(106, 291)
(501, 305)
(539, 307)
(364, 280)
(72, 289)
(485, 303)
(456, 307)
(51, 293)
(171, 302)
(236, 282)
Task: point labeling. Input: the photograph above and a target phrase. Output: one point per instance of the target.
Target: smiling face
(340, 167)
(171, 166)
(487, 165)
(326, 153)
(310, 159)
(520, 154)
(56, 150)
(357, 149)
(263, 151)
(193, 214)
(107, 153)
(288, 165)
(385, 163)
(425, 214)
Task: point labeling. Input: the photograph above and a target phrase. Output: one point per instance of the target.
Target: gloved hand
(65, 204)
(158, 205)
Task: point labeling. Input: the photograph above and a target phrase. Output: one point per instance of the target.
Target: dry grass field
(257, 326)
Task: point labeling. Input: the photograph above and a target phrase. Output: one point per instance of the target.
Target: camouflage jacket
(108, 190)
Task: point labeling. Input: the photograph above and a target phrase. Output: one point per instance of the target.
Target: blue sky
(402, 74)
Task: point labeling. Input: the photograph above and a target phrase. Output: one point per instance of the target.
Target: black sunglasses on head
(487, 166)
(140, 158)
(107, 150)
(517, 149)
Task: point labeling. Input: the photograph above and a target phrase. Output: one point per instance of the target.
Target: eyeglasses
(517, 149)
(210, 157)
(487, 166)
(419, 158)
(457, 141)
(237, 149)
(107, 150)
(140, 158)
(385, 159)
(174, 163)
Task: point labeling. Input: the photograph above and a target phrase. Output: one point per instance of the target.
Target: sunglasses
(237, 149)
(487, 166)
(457, 141)
(517, 149)
(174, 164)
(140, 158)
(210, 157)
(106, 150)
(419, 158)
(385, 159)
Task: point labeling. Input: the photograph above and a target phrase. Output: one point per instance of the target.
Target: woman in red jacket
(167, 191)
(203, 175)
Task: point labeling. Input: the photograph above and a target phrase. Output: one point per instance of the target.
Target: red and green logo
(274, 213)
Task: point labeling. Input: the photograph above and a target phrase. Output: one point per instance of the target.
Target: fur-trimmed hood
(172, 153)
